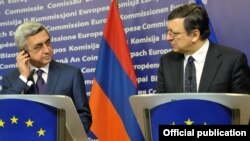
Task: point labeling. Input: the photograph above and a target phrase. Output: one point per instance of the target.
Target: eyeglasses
(172, 34)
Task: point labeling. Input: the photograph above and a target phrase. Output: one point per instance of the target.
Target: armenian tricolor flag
(114, 83)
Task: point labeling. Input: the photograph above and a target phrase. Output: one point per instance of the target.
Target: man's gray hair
(25, 30)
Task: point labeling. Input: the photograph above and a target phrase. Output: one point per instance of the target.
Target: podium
(68, 121)
(143, 104)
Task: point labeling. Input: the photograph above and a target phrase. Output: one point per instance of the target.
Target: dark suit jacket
(62, 80)
(225, 71)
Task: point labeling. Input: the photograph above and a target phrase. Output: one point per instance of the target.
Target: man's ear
(195, 35)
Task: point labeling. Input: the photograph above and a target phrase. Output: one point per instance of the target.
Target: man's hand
(22, 60)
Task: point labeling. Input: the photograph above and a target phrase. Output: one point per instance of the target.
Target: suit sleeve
(12, 85)
(160, 86)
(241, 76)
(81, 100)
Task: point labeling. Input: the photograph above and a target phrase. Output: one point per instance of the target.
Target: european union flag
(189, 112)
(23, 120)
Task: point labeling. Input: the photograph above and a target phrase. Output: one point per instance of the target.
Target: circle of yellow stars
(29, 123)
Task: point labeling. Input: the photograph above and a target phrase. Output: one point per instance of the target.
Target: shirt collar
(200, 55)
(45, 68)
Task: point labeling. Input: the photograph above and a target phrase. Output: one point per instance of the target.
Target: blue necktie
(190, 76)
(40, 83)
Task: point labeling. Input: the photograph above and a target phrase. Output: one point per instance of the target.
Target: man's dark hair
(195, 17)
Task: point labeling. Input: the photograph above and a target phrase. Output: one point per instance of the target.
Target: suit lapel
(177, 73)
(210, 68)
(53, 77)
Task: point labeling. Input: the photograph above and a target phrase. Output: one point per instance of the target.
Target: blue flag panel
(23, 120)
(189, 112)
(212, 36)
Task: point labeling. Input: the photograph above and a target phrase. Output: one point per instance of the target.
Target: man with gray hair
(38, 73)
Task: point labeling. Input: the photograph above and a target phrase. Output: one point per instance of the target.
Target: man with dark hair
(196, 64)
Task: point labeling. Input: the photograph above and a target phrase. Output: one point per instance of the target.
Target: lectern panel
(27, 120)
(189, 112)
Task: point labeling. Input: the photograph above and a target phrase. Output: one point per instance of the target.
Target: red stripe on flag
(115, 36)
(109, 126)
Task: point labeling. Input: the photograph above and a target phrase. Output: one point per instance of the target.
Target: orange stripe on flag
(108, 125)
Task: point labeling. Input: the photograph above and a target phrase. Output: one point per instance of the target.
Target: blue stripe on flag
(117, 86)
(212, 36)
